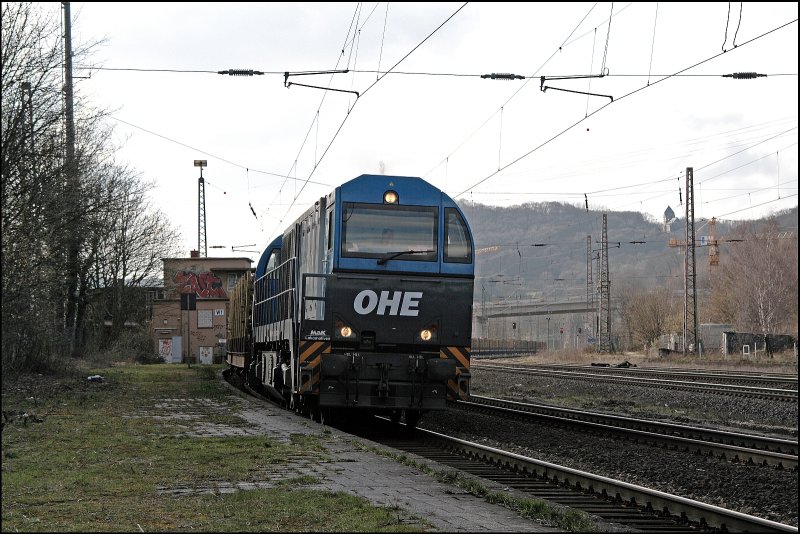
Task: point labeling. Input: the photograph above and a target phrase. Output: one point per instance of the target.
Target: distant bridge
(522, 309)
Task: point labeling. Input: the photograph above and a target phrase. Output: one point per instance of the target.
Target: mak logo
(318, 335)
(400, 303)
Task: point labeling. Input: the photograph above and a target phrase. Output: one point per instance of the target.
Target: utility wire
(336, 134)
(603, 107)
(209, 154)
(757, 205)
(514, 94)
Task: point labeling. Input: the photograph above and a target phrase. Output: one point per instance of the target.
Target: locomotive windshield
(458, 246)
(376, 230)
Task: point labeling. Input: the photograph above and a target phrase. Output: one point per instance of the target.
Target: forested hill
(539, 249)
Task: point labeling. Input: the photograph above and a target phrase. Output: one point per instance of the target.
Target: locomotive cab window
(330, 230)
(457, 244)
(375, 231)
(274, 258)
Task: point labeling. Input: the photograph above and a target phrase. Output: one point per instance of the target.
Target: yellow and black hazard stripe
(310, 357)
(458, 388)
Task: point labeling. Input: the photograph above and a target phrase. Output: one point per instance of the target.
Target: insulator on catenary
(744, 75)
(240, 72)
(503, 76)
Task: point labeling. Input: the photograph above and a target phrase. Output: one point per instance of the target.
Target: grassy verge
(92, 456)
(569, 519)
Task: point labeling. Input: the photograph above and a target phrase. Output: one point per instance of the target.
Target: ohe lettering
(399, 303)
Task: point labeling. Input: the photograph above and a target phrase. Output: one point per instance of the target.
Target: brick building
(190, 317)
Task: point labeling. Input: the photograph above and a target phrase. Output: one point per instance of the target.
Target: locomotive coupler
(416, 364)
(383, 381)
(357, 360)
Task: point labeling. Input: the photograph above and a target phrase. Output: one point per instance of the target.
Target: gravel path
(755, 490)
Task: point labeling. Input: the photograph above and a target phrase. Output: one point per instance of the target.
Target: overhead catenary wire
(339, 129)
(295, 174)
(206, 153)
(379, 72)
(653, 44)
(738, 134)
(603, 107)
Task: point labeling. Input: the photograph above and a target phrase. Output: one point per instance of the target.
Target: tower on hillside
(669, 216)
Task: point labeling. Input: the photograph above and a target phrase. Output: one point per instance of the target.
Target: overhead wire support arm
(240, 248)
(288, 84)
(544, 87)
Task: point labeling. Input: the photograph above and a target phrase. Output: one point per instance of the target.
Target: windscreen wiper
(393, 255)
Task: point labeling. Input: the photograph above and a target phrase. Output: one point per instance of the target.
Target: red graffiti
(205, 285)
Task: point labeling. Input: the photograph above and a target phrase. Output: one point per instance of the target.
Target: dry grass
(785, 362)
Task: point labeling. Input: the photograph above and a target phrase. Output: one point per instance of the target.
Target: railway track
(612, 500)
(734, 446)
(778, 394)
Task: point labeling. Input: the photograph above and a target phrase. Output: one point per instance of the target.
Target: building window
(232, 279)
(205, 319)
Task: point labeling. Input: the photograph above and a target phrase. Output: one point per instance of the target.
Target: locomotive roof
(370, 186)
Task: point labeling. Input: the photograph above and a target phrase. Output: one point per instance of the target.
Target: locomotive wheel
(318, 415)
(314, 411)
(306, 409)
(394, 417)
(325, 416)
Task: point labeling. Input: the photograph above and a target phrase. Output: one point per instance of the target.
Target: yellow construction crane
(709, 241)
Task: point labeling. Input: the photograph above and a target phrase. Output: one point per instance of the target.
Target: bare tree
(126, 244)
(756, 288)
(99, 223)
(647, 314)
(31, 181)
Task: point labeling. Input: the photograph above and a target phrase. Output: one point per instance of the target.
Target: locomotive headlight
(343, 331)
(428, 334)
(390, 197)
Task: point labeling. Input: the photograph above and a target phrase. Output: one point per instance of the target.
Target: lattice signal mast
(589, 289)
(202, 246)
(689, 279)
(605, 292)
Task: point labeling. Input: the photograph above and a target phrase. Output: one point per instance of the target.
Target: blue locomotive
(364, 303)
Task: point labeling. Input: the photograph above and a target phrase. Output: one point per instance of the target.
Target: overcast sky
(663, 105)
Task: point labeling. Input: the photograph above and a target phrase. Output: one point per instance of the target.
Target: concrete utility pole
(689, 278)
(548, 332)
(72, 188)
(68, 94)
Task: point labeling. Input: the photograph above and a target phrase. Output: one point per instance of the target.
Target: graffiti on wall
(165, 349)
(205, 285)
